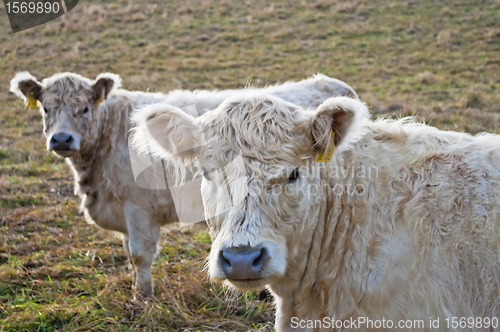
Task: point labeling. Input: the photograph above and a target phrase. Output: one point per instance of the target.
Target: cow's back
(455, 214)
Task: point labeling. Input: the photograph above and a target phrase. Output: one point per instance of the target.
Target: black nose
(61, 141)
(243, 263)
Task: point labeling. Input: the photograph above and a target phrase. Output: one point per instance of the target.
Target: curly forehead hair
(71, 89)
(261, 127)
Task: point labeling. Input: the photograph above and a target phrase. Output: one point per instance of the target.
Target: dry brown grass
(426, 77)
(447, 38)
(474, 97)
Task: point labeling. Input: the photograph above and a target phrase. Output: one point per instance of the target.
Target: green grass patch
(13, 202)
(4, 154)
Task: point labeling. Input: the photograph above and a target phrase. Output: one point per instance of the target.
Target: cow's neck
(109, 134)
(315, 286)
(337, 277)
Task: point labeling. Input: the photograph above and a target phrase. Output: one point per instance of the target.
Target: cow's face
(258, 161)
(254, 210)
(69, 105)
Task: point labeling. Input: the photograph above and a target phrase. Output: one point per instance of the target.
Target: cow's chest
(105, 210)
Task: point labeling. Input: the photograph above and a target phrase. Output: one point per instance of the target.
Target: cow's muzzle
(243, 263)
(63, 144)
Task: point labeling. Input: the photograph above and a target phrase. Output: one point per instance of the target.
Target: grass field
(437, 60)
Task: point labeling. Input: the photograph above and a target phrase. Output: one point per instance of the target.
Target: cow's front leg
(143, 236)
(126, 246)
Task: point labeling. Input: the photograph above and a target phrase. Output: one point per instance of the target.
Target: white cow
(399, 229)
(87, 122)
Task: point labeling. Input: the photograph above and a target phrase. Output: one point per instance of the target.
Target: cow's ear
(338, 123)
(165, 131)
(25, 86)
(104, 84)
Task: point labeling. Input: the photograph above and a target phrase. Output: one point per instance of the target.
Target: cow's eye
(85, 110)
(45, 110)
(205, 175)
(293, 176)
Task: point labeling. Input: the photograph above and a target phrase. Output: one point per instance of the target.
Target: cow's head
(69, 104)
(257, 157)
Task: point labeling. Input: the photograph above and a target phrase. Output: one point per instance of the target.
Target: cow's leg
(143, 243)
(143, 249)
(126, 246)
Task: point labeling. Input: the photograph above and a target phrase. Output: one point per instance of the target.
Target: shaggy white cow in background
(403, 224)
(87, 122)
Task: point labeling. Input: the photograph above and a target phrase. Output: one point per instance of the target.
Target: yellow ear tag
(31, 101)
(101, 98)
(330, 149)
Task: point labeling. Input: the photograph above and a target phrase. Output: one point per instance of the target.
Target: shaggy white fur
(402, 224)
(96, 114)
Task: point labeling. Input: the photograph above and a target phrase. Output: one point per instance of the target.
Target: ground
(436, 60)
